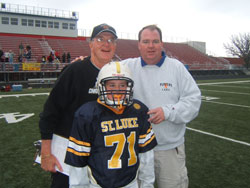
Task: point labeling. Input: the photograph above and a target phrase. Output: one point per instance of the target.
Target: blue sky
(210, 21)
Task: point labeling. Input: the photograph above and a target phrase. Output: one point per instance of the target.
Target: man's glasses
(103, 41)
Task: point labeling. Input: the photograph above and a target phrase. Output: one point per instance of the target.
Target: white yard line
(225, 92)
(229, 86)
(21, 95)
(216, 83)
(218, 136)
(229, 104)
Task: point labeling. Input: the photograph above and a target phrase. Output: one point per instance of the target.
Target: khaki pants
(170, 168)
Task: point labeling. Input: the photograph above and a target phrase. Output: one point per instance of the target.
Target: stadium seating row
(42, 45)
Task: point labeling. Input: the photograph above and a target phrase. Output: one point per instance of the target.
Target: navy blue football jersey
(110, 143)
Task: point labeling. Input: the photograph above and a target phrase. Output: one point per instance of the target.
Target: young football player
(111, 137)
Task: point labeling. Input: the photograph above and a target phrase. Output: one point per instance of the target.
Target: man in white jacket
(174, 99)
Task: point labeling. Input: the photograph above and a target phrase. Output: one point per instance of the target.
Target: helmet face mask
(120, 93)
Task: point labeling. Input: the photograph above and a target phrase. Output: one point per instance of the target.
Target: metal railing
(33, 10)
(31, 67)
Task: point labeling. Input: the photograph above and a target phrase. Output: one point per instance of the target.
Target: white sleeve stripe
(78, 148)
(148, 137)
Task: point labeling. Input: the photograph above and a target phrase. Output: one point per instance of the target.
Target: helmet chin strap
(118, 101)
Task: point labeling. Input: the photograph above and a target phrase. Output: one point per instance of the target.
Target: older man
(74, 87)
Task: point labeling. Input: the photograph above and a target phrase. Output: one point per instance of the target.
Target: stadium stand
(236, 63)
(127, 49)
(199, 64)
(42, 45)
(191, 57)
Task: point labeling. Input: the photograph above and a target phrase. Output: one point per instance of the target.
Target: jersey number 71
(120, 140)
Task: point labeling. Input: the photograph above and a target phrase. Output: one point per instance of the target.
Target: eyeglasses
(103, 41)
(153, 42)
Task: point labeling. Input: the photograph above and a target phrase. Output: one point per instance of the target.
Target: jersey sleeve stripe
(77, 153)
(146, 139)
(78, 148)
(79, 142)
(147, 142)
(150, 128)
(148, 132)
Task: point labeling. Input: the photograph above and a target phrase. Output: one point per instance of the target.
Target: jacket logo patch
(137, 106)
(93, 91)
(165, 86)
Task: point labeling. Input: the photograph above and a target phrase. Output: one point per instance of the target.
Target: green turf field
(217, 141)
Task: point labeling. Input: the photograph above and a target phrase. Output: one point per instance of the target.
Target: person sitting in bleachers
(27, 53)
(6, 56)
(1, 55)
(64, 57)
(21, 48)
(2, 67)
(20, 58)
(44, 59)
(11, 56)
(68, 57)
(57, 55)
(50, 58)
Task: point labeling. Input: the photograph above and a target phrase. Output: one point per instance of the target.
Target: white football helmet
(115, 71)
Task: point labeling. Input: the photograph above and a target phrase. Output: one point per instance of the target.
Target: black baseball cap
(103, 28)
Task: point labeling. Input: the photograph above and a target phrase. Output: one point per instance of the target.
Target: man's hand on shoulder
(78, 58)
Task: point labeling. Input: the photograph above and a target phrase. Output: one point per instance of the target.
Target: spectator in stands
(53, 52)
(2, 60)
(1, 55)
(64, 57)
(27, 53)
(11, 56)
(68, 57)
(57, 55)
(74, 87)
(57, 59)
(6, 56)
(21, 48)
(173, 99)
(20, 58)
(50, 58)
(43, 59)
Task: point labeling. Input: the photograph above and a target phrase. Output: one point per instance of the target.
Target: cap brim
(107, 30)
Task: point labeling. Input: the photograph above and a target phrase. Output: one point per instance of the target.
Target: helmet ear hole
(115, 71)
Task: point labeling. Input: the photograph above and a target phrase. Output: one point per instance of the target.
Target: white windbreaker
(171, 87)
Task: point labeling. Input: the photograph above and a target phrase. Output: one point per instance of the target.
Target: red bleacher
(127, 49)
(42, 45)
(78, 46)
(235, 61)
(192, 57)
